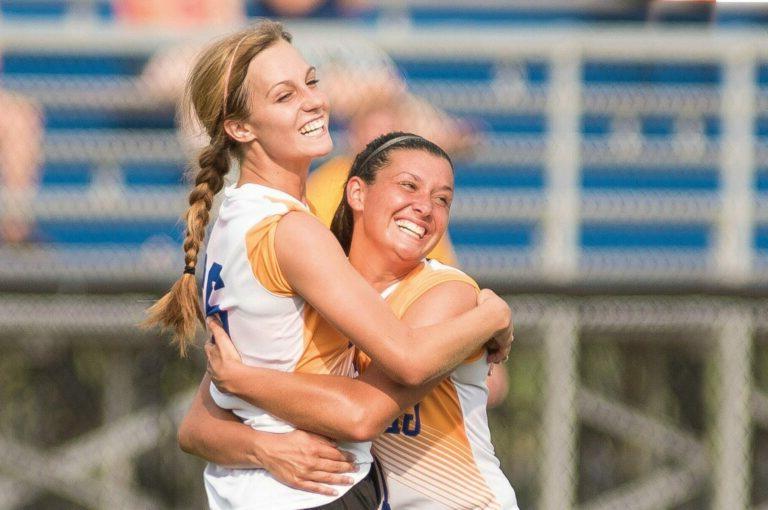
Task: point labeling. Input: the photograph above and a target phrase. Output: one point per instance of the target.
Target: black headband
(388, 144)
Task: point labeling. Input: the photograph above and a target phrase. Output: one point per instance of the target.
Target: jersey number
(409, 424)
(214, 283)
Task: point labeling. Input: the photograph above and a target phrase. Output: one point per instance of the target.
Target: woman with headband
(272, 269)
(435, 448)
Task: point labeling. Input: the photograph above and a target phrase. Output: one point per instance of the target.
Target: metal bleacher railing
(582, 128)
(713, 137)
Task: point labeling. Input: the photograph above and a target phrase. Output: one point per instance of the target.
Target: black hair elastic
(189, 270)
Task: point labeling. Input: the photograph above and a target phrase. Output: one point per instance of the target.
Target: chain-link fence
(592, 164)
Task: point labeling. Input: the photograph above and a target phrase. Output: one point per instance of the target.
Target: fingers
(221, 341)
(499, 355)
(314, 487)
(317, 438)
(331, 453)
(215, 327)
(337, 467)
(485, 295)
(329, 478)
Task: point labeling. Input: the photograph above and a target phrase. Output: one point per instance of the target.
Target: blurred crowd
(368, 95)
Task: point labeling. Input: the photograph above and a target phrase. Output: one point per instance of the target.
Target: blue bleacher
(63, 119)
(436, 14)
(761, 238)
(651, 73)
(692, 237)
(671, 179)
(762, 180)
(596, 127)
(50, 9)
(156, 174)
(497, 234)
(468, 175)
(16, 63)
(66, 174)
(106, 232)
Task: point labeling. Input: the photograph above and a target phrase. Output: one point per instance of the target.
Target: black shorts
(367, 494)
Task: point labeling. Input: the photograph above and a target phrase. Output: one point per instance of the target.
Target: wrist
(256, 453)
(229, 379)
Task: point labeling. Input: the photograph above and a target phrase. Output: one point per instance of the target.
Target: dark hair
(367, 164)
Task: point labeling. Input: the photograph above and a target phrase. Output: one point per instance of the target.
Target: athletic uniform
(271, 327)
(438, 455)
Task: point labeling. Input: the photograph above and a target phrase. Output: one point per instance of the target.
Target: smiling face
(288, 113)
(404, 212)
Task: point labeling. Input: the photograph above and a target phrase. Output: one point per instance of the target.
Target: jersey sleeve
(260, 245)
(430, 279)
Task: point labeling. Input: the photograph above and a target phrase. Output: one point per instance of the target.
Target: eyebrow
(416, 177)
(287, 82)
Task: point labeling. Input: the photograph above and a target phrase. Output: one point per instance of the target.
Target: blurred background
(612, 182)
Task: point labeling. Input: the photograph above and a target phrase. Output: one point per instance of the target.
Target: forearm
(217, 436)
(437, 349)
(338, 407)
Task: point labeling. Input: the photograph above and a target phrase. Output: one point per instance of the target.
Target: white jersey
(271, 327)
(438, 455)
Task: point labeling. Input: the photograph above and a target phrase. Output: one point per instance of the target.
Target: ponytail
(216, 91)
(179, 310)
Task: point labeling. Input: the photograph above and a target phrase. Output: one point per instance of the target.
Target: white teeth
(411, 228)
(312, 127)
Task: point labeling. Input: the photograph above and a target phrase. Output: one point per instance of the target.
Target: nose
(422, 205)
(314, 100)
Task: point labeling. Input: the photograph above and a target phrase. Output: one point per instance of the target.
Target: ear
(239, 131)
(356, 193)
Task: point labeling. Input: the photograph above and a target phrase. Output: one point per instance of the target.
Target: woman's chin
(410, 254)
(323, 146)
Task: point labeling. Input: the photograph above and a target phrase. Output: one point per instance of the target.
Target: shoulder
(301, 227)
(304, 246)
(435, 273)
(440, 302)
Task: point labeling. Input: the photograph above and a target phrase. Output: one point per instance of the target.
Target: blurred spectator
(180, 13)
(310, 8)
(21, 132)
(401, 112)
(369, 96)
(164, 76)
(681, 11)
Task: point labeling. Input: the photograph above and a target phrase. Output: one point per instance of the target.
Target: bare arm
(339, 407)
(314, 264)
(298, 459)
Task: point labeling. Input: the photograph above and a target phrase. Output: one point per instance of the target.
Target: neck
(287, 176)
(377, 269)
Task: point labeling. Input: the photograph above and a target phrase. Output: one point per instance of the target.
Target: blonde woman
(272, 269)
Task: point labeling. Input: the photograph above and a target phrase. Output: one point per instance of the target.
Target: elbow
(409, 372)
(413, 375)
(366, 426)
(184, 439)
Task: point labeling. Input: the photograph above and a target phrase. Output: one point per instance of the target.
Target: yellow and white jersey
(271, 327)
(438, 455)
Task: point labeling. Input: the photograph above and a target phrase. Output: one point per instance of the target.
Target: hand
(223, 358)
(303, 460)
(499, 345)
